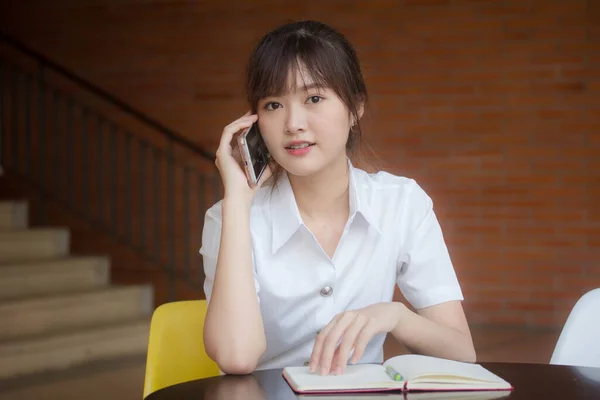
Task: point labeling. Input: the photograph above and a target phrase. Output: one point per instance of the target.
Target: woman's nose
(295, 121)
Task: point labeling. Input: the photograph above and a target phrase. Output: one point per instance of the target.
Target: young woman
(301, 271)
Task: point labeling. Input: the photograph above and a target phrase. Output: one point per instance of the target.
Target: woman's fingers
(233, 128)
(340, 358)
(318, 346)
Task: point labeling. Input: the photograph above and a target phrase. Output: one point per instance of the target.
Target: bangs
(276, 64)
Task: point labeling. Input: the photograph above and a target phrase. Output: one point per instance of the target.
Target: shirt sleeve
(426, 276)
(211, 240)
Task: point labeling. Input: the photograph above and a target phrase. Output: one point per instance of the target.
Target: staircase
(59, 310)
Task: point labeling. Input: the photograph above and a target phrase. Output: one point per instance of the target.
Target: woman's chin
(307, 165)
(301, 167)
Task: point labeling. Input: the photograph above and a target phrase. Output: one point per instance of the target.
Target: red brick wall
(493, 106)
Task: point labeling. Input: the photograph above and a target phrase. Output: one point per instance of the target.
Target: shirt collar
(286, 217)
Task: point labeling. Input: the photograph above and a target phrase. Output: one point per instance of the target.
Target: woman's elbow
(468, 354)
(238, 365)
(234, 360)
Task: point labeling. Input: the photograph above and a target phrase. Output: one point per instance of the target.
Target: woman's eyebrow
(309, 86)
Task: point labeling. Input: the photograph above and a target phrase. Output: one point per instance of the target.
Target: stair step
(34, 278)
(33, 244)
(60, 351)
(13, 215)
(50, 314)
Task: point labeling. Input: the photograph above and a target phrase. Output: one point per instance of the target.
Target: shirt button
(326, 291)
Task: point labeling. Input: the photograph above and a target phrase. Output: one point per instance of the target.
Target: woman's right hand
(229, 164)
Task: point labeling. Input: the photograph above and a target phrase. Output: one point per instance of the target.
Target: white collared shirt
(392, 237)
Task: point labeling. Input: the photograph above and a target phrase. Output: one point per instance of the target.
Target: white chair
(579, 341)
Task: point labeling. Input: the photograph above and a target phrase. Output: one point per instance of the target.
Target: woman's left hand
(351, 330)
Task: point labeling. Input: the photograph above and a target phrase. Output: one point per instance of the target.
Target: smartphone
(254, 152)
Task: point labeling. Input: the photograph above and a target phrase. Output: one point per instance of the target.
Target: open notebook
(454, 395)
(405, 373)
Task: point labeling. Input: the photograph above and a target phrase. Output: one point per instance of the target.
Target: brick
(483, 306)
(563, 164)
(450, 164)
(506, 319)
(426, 3)
(402, 140)
(530, 74)
(504, 139)
(553, 243)
(548, 295)
(504, 190)
(475, 228)
(579, 152)
(579, 179)
(478, 280)
(530, 178)
(582, 230)
(506, 166)
(578, 72)
(504, 214)
(475, 177)
(529, 306)
(530, 281)
(507, 294)
(573, 33)
(594, 138)
(579, 284)
(533, 152)
(547, 319)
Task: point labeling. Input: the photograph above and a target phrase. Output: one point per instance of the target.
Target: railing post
(157, 206)
(100, 160)
(128, 191)
(186, 220)
(171, 220)
(142, 194)
(42, 144)
(14, 139)
(113, 186)
(85, 156)
(2, 120)
(70, 164)
(58, 173)
(27, 124)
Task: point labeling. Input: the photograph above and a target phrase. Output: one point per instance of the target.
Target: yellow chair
(176, 351)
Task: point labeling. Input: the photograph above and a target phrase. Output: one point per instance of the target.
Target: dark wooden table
(531, 381)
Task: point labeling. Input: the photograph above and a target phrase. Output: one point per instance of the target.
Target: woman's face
(305, 129)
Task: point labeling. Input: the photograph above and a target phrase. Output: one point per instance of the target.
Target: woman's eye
(314, 99)
(272, 106)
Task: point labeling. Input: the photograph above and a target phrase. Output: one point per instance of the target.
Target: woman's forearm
(427, 337)
(233, 334)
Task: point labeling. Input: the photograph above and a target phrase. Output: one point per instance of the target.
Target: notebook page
(468, 395)
(412, 366)
(359, 376)
(362, 396)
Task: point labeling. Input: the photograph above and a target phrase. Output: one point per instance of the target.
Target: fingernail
(338, 371)
(323, 371)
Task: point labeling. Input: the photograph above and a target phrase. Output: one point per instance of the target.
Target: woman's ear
(361, 109)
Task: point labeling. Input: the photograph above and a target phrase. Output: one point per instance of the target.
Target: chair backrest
(176, 351)
(579, 341)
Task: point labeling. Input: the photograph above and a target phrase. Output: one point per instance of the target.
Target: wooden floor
(124, 380)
